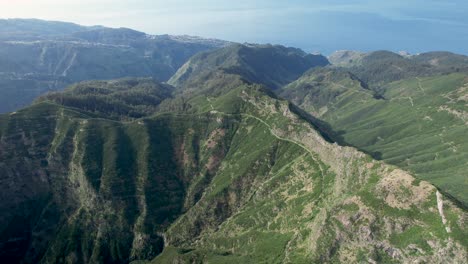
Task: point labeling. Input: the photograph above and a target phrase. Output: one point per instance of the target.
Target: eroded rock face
(399, 191)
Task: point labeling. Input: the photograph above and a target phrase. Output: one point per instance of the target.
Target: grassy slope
(411, 128)
(378, 68)
(239, 179)
(291, 206)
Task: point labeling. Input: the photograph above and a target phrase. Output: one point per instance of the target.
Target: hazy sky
(313, 25)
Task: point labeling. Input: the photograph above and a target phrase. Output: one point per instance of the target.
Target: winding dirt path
(312, 154)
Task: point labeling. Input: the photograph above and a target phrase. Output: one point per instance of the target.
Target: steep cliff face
(418, 124)
(90, 190)
(240, 178)
(310, 201)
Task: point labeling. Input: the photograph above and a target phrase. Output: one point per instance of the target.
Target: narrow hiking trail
(271, 130)
(312, 155)
(420, 85)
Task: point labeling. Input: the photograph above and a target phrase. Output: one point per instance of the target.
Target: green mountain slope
(273, 66)
(116, 99)
(240, 177)
(444, 60)
(419, 124)
(381, 67)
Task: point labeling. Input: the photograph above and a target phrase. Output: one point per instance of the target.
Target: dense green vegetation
(419, 124)
(236, 177)
(117, 99)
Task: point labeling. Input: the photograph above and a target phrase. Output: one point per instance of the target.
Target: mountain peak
(271, 65)
(345, 57)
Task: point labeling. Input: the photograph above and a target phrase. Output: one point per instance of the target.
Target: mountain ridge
(251, 62)
(378, 68)
(408, 125)
(183, 182)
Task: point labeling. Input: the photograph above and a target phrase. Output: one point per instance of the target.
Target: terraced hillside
(239, 177)
(419, 124)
